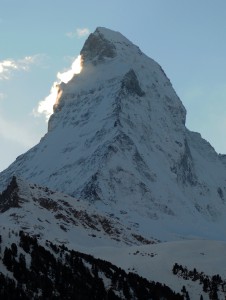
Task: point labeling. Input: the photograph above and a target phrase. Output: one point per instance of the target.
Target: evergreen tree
(7, 258)
(14, 249)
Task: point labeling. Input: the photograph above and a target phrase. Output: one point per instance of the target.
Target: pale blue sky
(40, 38)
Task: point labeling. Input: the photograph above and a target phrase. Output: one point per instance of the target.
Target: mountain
(118, 171)
(118, 139)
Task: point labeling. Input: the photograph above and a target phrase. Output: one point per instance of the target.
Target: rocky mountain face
(117, 140)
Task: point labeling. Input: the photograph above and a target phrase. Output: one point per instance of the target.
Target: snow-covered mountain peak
(117, 140)
(111, 35)
(105, 44)
(113, 69)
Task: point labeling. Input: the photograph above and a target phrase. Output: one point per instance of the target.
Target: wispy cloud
(45, 106)
(8, 66)
(79, 32)
(82, 32)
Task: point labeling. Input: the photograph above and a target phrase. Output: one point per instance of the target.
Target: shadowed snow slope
(117, 139)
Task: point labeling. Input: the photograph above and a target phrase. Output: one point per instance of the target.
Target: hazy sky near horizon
(38, 40)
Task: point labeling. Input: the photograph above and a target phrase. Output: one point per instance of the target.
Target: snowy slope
(31, 268)
(156, 262)
(60, 218)
(117, 139)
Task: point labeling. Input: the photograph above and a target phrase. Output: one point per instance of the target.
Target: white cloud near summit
(45, 106)
(79, 32)
(8, 66)
(82, 32)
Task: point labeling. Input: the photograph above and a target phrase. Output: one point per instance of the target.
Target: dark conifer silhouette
(54, 272)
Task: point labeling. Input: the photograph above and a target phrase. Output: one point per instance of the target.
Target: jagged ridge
(47, 214)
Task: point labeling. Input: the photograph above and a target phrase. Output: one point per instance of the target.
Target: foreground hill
(32, 271)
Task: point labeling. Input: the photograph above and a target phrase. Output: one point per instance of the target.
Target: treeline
(54, 272)
(210, 284)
